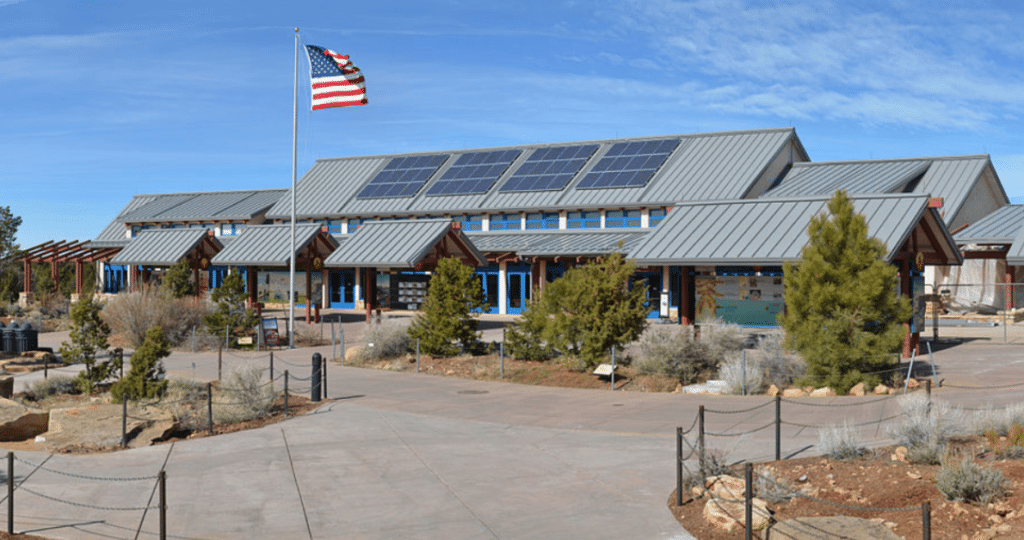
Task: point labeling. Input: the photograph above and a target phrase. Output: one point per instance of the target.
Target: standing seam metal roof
(266, 245)
(708, 165)
(211, 206)
(160, 247)
(391, 244)
(555, 243)
(1001, 226)
(765, 231)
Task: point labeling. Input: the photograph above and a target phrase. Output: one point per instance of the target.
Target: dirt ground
(879, 481)
(553, 373)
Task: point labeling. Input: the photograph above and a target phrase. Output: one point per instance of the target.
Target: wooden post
(686, 294)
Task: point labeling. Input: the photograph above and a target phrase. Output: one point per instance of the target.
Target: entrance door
(488, 280)
(342, 289)
(518, 291)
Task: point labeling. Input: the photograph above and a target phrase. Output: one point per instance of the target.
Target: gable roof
(772, 231)
(706, 165)
(267, 245)
(999, 227)
(952, 178)
(162, 247)
(401, 244)
(554, 243)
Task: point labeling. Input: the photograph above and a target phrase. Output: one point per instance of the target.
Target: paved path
(417, 456)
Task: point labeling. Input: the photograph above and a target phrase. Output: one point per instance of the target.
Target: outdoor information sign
(270, 336)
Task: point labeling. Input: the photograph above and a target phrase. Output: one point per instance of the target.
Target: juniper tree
(447, 321)
(586, 312)
(89, 333)
(145, 379)
(178, 280)
(843, 314)
(230, 313)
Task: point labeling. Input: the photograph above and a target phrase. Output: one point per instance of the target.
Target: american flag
(335, 80)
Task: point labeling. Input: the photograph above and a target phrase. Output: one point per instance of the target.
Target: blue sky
(102, 100)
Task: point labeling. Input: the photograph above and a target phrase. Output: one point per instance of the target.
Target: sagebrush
(54, 385)
(840, 442)
(244, 396)
(965, 481)
(132, 314)
(388, 338)
(677, 353)
(925, 427)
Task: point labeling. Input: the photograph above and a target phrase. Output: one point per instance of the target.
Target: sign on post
(269, 329)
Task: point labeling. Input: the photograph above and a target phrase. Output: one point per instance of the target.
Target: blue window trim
(618, 219)
(542, 220)
(583, 220)
(472, 222)
(656, 216)
(506, 222)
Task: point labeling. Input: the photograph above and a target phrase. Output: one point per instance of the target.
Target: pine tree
(586, 312)
(842, 311)
(89, 333)
(231, 313)
(178, 280)
(447, 321)
(145, 379)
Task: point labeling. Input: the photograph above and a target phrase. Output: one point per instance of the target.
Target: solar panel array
(629, 164)
(474, 172)
(549, 168)
(402, 176)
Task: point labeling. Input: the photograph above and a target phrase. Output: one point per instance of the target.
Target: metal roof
(767, 231)
(705, 165)
(999, 227)
(115, 234)
(393, 244)
(210, 206)
(853, 177)
(266, 245)
(952, 178)
(553, 243)
(160, 247)
(1015, 255)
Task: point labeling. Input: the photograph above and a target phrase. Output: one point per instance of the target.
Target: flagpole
(295, 151)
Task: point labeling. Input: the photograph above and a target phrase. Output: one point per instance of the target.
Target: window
(657, 214)
(542, 220)
(583, 220)
(506, 222)
(136, 229)
(333, 226)
(354, 224)
(471, 222)
(621, 218)
(231, 229)
(172, 226)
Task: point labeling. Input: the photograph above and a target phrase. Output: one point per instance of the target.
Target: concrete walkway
(417, 456)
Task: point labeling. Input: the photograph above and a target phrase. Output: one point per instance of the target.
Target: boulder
(353, 352)
(20, 423)
(726, 487)
(912, 384)
(6, 387)
(731, 516)
(773, 391)
(823, 392)
(792, 393)
(881, 390)
(857, 390)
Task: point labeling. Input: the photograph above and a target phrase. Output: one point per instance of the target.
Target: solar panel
(549, 168)
(402, 177)
(629, 164)
(474, 172)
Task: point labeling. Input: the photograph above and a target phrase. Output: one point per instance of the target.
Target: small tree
(447, 322)
(842, 311)
(178, 280)
(145, 379)
(89, 335)
(231, 312)
(587, 311)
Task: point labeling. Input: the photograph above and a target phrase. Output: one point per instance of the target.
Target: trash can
(7, 337)
(30, 338)
(19, 338)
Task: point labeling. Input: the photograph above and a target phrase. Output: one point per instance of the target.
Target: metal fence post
(271, 368)
(748, 502)
(10, 493)
(286, 393)
(926, 520)
(124, 420)
(209, 407)
(314, 378)
(163, 504)
(700, 442)
(417, 355)
(679, 466)
(778, 428)
(743, 354)
(220, 358)
(612, 378)
(501, 355)
(323, 377)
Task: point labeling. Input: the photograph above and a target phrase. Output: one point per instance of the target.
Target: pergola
(56, 252)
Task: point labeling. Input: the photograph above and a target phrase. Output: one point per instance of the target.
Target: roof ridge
(890, 160)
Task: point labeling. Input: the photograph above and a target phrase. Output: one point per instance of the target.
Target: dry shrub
(675, 352)
(926, 427)
(308, 335)
(132, 314)
(245, 396)
(186, 402)
(386, 339)
(840, 442)
(965, 481)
